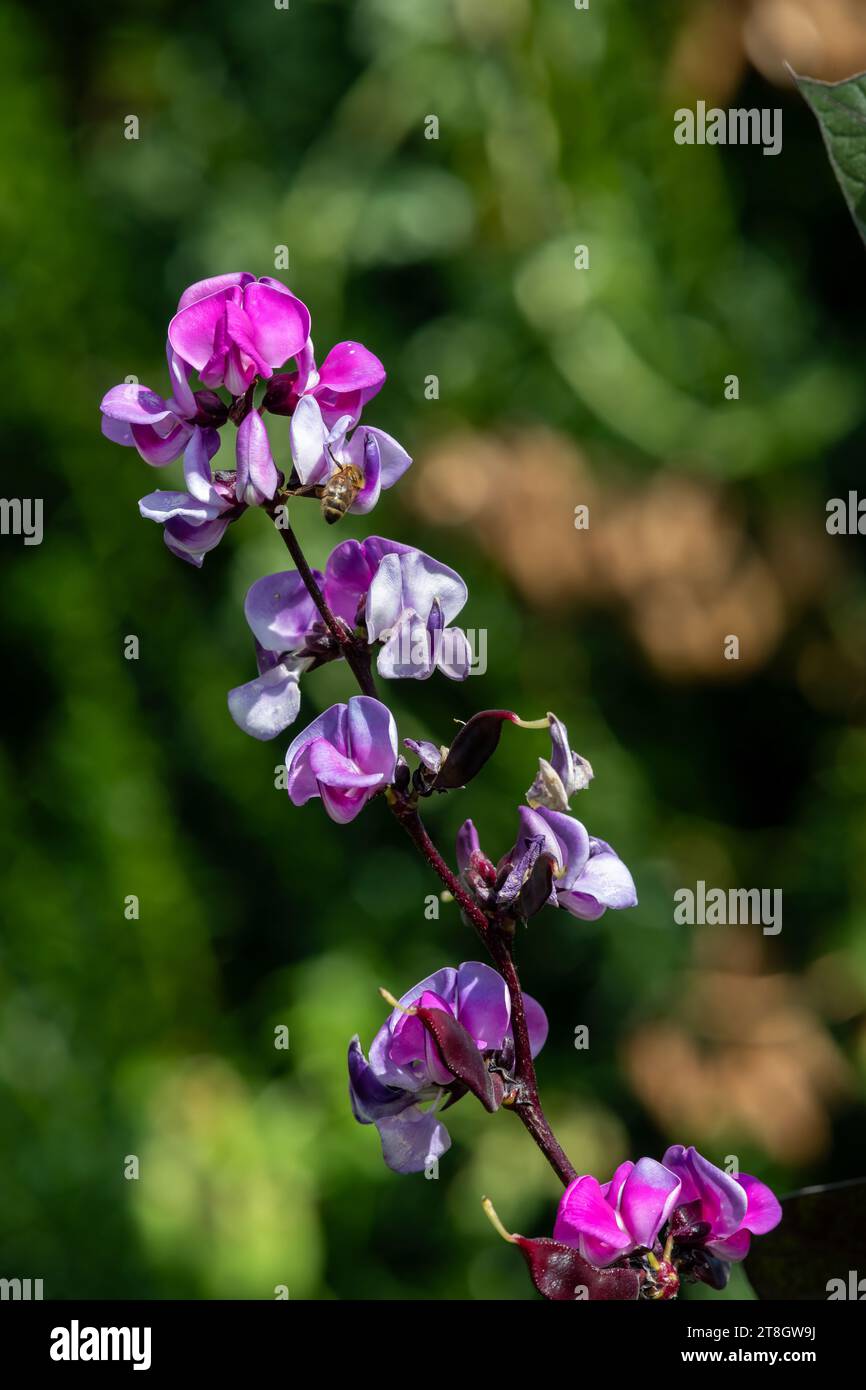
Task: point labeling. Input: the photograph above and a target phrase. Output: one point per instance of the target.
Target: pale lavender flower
(319, 449)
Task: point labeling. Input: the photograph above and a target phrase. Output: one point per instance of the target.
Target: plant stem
(527, 1105)
(355, 651)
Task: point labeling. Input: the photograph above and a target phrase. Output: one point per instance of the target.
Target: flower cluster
(235, 331)
(385, 604)
(554, 859)
(390, 595)
(683, 1218)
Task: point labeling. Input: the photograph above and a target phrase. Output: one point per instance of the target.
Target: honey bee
(340, 491)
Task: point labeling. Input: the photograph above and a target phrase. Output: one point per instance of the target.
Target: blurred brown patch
(745, 1052)
(821, 38)
(672, 554)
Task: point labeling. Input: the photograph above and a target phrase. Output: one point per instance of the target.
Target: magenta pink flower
(732, 1209)
(607, 1221)
(349, 377)
(345, 756)
(233, 327)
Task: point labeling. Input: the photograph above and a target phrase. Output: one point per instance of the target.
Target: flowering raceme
(385, 608)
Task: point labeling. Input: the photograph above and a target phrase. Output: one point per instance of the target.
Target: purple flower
(159, 428)
(345, 756)
(234, 327)
(585, 876)
(681, 1219)
(566, 773)
(349, 377)
(195, 521)
(286, 627)
(405, 1071)
(606, 1221)
(411, 601)
(264, 707)
(589, 876)
(320, 449)
(730, 1209)
(366, 584)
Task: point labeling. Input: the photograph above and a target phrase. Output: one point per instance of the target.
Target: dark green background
(454, 257)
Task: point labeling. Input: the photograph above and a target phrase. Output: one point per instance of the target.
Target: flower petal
(257, 476)
(280, 611)
(483, 1004)
(281, 322)
(412, 1140)
(587, 1222)
(649, 1195)
(308, 437)
(264, 707)
(371, 736)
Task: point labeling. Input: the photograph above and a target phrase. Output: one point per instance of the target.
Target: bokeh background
(454, 257)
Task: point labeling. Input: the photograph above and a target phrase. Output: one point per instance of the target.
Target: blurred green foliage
(155, 1038)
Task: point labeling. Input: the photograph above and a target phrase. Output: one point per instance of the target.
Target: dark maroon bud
(459, 1052)
(401, 775)
(281, 396)
(537, 888)
(561, 1274)
(686, 1225)
(474, 743)
(212, 411)
(241, 406)
(697, 1265)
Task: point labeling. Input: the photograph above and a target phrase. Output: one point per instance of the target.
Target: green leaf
(841, 111)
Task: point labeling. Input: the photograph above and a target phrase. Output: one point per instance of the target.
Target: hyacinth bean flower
(606, 1221)
(410, 604)
(195, 521)
(349, 377)
(319, 450)
(589, 876)
(405, 1070)
(159, 428)
(368, 583)
(264, 707)
(565, 774)
(345, 756)
(719, 1211)
(232, 328)
(681, 1219)
(586, 875)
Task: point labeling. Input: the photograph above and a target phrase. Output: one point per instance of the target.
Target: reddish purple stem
(495, 936)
